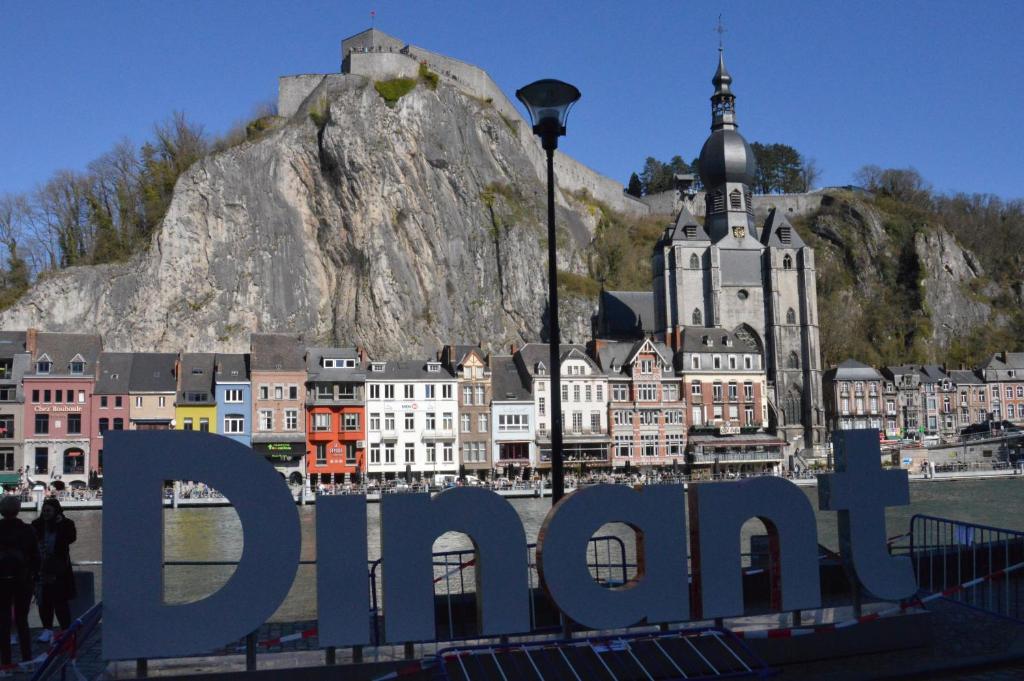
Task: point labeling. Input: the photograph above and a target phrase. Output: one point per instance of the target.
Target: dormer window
(377, 366)
(433, 367)
(706, 340)
(540, 368)
(339, 363)
(43, 366)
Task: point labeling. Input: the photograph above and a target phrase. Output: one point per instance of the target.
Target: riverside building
(110, 399)
(151, 391)
(58, 412)
(278, 373)
(1004, 374)
(234, 397)
(724, 378)
(513, 414)
(195, 405)
(335, 414)
(855, 397)
(13, 364)
(646, 409)
(469, 364)
(412, 409)
(584, 405)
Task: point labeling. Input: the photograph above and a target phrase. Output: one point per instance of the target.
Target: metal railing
(949, 554)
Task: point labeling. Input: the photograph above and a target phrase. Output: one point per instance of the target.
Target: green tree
(635, 188)
(779, 169)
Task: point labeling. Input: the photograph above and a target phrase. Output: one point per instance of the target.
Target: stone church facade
(752, 278)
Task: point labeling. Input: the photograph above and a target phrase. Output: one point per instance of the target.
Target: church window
(794, 361)
(785, 234)
(694, 262)
(717, 202)
(742, 294)
(698, 318)
(787, 262)
(749, 196)
(735, 200)
(790, 316)
(690, 231)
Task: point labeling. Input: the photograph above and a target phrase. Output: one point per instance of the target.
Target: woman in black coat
(55, 534)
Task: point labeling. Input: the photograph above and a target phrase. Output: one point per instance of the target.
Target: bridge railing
(975, 565)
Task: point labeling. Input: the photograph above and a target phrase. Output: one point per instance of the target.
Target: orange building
(335, 414)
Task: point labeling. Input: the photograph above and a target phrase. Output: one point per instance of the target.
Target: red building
(335, 414)
(110, 401)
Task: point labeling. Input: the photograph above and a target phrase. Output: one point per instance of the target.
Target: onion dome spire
(723, 102)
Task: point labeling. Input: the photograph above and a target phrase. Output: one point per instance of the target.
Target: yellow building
(196, 405)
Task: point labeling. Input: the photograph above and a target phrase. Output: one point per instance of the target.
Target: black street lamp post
(548, 102)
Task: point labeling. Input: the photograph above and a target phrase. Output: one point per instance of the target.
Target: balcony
(434, 434)
(389, 435)
(728, 457)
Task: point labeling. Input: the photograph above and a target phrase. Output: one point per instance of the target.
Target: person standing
(19, 564)
(55, 535)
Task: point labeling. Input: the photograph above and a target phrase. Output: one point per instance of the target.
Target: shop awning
(10, 478)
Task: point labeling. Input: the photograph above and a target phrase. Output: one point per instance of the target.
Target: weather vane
(720, 29)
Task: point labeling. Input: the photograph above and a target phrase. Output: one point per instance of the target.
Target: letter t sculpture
(859, 491)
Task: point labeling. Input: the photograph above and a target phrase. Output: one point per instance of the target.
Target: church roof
(778, 233)
(625, 314)
(686, 228)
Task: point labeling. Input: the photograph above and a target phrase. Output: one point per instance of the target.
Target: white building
(513, 447)
(585, 438)
(411, 417)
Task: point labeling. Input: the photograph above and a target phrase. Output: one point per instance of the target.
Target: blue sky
(933, 85)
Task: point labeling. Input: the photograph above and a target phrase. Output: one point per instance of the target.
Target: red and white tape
(889, 612)
(456, 570)
(410, 670)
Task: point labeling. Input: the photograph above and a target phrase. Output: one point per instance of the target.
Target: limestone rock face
(399, 229)
(949, 271)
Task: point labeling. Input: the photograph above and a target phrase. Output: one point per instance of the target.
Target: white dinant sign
(138, 624)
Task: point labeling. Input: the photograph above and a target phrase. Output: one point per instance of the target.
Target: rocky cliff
(396, 227)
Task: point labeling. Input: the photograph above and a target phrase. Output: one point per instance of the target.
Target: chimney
(513, 349)
(31, 341)
(361, 351)
(450, 349)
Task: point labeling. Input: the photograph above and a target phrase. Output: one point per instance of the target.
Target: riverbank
(523, 493)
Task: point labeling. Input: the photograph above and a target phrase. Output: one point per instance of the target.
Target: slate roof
(408, 370)
(61, 348)
(318, 373)
(277, 352)
(774, 230)
(933, 373)
(507, 384)
(458, 354)
(232, 368)
(964, 377)
(679, 232)
(1014, 360)
(197, 374)
(533, 353)
(153, 372)
(11, 343)
(115, 373)
(619, 354)
(693, 341)
(852, 370)
(625, 314)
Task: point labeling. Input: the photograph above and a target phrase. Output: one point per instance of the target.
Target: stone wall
(791, 205)
(293, 90)
(573, 176)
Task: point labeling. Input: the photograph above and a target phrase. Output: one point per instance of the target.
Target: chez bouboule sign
(138, 624)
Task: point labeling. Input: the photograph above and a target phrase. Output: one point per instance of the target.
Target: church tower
(756, 280)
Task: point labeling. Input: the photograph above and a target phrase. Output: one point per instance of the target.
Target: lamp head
(548, 101)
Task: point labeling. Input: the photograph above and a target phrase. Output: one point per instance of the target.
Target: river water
(215, 534)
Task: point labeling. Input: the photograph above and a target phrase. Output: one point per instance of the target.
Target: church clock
(739, 231)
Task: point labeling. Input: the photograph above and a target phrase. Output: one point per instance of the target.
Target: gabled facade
(110, 399)
(58, 412)
(195, 406)
(585, 440)
(854, 397)
(277, 365)
(335, 414)
(971, 397)
(1004, 374)
(151, 390)
(469, 365)
(646, 408)
(233, 392)
(513, 414)
(906, 380)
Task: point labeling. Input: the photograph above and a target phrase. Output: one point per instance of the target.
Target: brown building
(646, 411)
(151, 390)
(469, 365)
(855, 397)
(278, 378)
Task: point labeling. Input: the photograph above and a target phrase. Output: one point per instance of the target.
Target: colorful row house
(335, 414)
(513, 414)
(278, 374)
(14, 361)
(469, 365)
